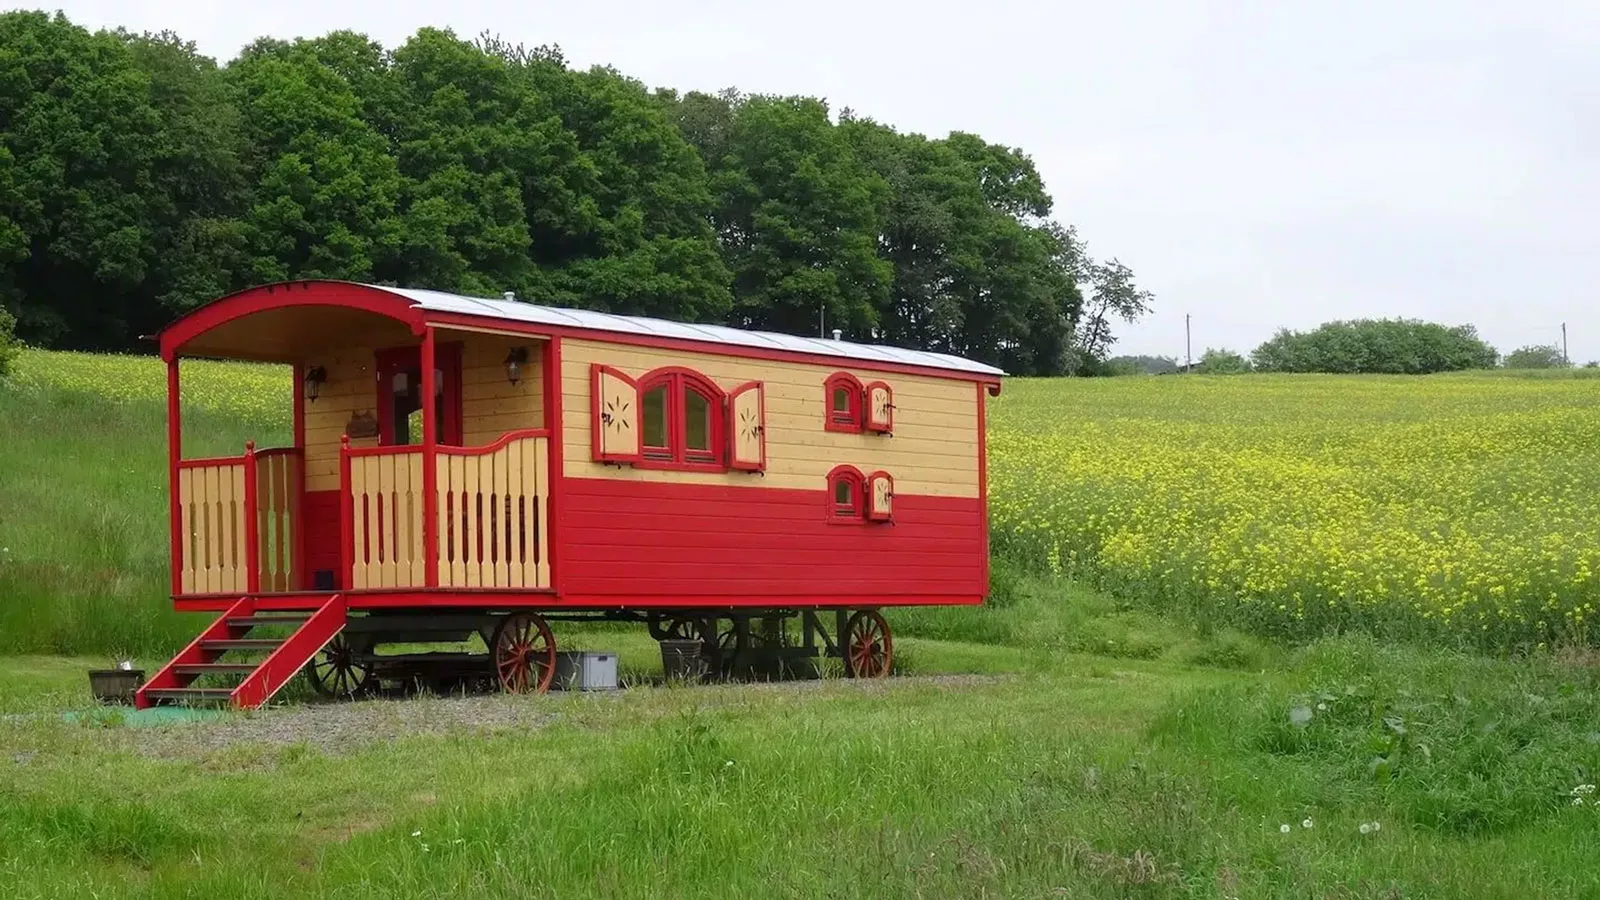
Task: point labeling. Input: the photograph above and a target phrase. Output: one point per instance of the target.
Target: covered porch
(381, 496)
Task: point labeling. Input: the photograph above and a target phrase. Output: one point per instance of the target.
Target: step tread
(284, 618)
(214, 668)
(194, 693)
(242, 644)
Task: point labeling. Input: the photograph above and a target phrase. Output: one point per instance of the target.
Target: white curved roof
(518, 311)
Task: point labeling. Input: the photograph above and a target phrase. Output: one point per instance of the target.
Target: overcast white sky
(1258, 164)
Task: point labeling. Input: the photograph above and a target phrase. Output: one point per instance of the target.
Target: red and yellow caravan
(712, 482)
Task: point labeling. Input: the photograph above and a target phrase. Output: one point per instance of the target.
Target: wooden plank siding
(738, 537)
(933, 451)
(490, 404)
(351, 388)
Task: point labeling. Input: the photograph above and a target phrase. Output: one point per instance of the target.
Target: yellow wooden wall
(352, 387)
(490, 404)
(934, 449)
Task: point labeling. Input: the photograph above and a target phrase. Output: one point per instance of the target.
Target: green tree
(1222, 362)
(327, 187)
(797, 214)
(1113, 295)
(1538, 356)
(81, 140)
(1389, 346)
(8, 343)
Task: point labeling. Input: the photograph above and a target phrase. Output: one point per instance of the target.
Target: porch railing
(383, 516)
(211, 504)
(491, 507)
(494, 528)
(238, 518)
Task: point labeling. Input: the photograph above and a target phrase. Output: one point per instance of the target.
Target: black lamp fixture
(514, 363)
(316, 377)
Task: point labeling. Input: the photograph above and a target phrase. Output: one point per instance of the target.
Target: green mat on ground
(155, 715)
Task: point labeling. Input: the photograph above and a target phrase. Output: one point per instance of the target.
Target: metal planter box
(586, 670)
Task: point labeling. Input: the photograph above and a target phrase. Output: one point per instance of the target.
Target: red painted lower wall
(652, 539)
(321, 548)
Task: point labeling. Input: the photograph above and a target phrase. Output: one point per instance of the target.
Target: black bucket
(681, 660)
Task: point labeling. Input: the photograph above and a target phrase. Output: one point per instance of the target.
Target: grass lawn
(1074, 775)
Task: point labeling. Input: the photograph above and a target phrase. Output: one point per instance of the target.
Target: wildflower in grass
(1305, 823)
(1284, 828)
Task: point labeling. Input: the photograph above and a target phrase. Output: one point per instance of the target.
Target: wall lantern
(514, 362)
(316, 377)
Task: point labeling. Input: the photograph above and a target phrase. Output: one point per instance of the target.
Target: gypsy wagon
(464, 466)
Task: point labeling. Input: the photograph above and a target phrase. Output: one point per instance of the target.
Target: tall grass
(1091, 778)
(84, 564)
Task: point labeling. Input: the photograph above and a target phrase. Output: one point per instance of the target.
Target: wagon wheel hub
(524, 652)
(869, 645)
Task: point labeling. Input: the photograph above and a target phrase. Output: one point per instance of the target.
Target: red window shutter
(615, 416)
(880, 407)
(747, 427)
(880, 496)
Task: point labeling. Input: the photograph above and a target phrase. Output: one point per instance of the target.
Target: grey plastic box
(586, 670)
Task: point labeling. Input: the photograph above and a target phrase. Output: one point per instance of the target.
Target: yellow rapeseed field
(260, 394)
(1445, 506)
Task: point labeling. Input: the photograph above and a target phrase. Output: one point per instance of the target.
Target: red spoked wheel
(524, 652)
(868, 645)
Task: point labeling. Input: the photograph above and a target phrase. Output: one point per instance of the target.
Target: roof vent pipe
(510, 295)
(838, 333)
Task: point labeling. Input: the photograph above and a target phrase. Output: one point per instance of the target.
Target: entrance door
(400, 395)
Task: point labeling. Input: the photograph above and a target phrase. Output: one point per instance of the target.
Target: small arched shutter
(747, 427)
(880, 407)
(880, 496)
(615, 416)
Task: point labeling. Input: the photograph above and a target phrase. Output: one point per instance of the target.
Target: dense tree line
(1384, 346)
(139, 178)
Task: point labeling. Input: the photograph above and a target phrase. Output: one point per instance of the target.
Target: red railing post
(174, 454)
(347, 528)
(252, 523)
(430, 472)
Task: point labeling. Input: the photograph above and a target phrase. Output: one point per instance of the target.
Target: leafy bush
(8, 342)
(1222, 362)
(1538, 356)
(1388, 346)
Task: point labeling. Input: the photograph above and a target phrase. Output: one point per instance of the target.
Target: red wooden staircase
(230, 634)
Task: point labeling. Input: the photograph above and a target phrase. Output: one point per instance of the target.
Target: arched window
(847, 500)
(844, 396)
(681, 420)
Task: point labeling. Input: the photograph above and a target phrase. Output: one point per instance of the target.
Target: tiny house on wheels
(468, 466)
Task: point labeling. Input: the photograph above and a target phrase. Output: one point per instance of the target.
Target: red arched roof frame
(282, 295)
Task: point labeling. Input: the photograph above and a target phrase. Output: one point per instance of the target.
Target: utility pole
(1188, 346)
(1565, 359)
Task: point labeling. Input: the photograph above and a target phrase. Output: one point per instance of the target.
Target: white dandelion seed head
(1306, 824)
(1365, 828)
(1284, 828)
(1322, 707)
(1376, 826)
(416, 834)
